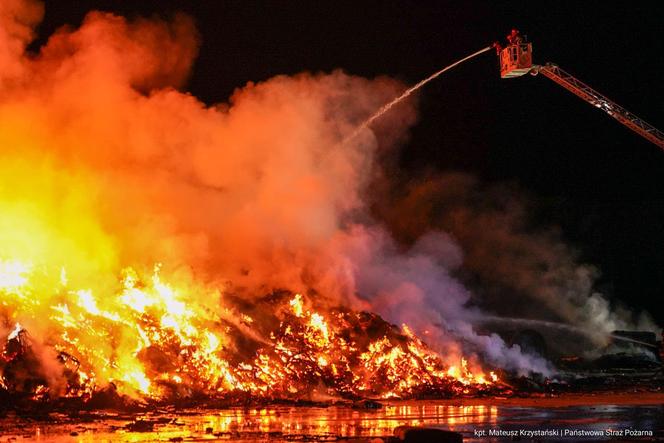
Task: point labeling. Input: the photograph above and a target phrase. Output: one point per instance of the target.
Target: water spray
(561, 326)
(385, 108)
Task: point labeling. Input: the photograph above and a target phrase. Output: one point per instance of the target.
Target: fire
(13, 274)
(146, 340)
(107, 168)
(14, 334)
(296, 305)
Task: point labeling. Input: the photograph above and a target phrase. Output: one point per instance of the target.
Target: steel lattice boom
(596, 99)
(516, 60)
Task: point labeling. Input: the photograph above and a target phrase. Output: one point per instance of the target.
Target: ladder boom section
(596, 99)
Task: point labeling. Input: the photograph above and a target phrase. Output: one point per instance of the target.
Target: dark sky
(596, 179)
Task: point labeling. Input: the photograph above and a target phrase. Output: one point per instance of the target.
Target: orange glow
(144, 339)
(150, 241)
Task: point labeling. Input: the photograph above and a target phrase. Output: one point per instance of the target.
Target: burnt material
(293, 354)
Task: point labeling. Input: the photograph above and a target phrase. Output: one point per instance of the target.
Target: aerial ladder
(516, 59)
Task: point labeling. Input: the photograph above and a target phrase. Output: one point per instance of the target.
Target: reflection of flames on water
(335, 421)
(151, 343)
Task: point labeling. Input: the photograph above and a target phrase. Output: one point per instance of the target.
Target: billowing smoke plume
(117, 166)
(417, 286)
(105, 163)
(517, 271)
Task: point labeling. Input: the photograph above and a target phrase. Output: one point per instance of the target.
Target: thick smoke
(127, 169)
(105, 164)
(515, 269)
(417, 286)
(17, 21)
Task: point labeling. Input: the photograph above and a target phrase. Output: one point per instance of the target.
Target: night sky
(597, 180)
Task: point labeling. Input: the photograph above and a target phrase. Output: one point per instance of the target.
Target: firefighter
(514, 37)
(498, 47)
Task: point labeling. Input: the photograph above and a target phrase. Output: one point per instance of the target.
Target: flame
(296, 305)
(145, 339)
(17, 329)
(105, 165)
(13, 275)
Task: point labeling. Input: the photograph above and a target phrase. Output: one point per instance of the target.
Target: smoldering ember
(265, 268)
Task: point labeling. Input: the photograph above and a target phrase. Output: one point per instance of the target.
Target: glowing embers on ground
(163, 341)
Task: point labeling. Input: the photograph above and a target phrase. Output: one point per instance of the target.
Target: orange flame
(147, 340)
(105, 164)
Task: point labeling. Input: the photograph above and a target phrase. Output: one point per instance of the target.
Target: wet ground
(477, 419)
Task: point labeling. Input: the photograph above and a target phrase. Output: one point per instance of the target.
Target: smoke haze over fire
(108, 163)
(131, 169)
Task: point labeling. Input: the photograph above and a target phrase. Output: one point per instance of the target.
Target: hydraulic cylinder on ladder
(516, 59)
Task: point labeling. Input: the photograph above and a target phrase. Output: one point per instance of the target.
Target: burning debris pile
(106, 164)
(151, 345)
